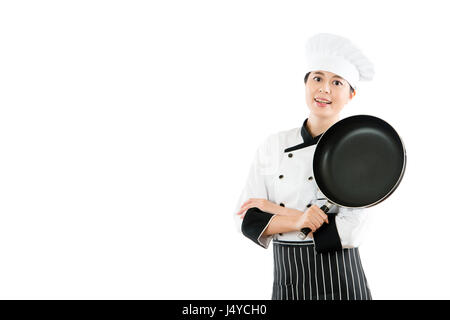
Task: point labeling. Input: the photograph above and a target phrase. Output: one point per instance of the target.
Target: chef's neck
(316, 125)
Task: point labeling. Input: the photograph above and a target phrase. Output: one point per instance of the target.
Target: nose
(325, 88)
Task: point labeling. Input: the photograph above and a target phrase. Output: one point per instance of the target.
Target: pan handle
(305, 231)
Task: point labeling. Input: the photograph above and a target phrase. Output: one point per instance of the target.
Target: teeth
(322, 101)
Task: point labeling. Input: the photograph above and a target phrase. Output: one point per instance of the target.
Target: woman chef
(281, 196)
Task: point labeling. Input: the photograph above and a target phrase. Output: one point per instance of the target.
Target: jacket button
(310, 178)
(308, 205)
(290, 155)
(281, 176)
(282, 204)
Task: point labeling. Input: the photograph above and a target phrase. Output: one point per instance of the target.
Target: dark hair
(307, 76)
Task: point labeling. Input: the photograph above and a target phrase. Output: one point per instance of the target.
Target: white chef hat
(336, 54)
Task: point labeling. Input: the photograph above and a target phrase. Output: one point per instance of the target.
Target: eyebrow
(321, 73)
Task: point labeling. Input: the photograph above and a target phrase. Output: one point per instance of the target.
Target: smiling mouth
(322, 101)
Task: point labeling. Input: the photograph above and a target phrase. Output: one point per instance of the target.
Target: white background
(127, 129)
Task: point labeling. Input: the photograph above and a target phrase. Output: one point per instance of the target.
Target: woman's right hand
(312, 218)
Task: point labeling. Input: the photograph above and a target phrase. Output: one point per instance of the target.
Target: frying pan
(358, 162)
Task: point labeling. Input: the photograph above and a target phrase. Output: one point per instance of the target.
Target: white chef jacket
(286, 177)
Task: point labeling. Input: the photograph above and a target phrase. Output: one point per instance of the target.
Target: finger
(321, 221)
(317, 224)
(249, 206)
(319, 213)
(243, 209)
(316, 221)
(310, 225)
(245, 203)
(324, 216)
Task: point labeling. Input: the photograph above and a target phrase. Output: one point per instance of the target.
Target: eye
(318, 78)
(337, 82)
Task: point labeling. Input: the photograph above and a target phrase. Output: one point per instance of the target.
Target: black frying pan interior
(359, 161)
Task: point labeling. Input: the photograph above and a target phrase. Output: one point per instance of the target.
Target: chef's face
(326, 93)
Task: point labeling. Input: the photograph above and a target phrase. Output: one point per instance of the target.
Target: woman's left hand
(263, 205)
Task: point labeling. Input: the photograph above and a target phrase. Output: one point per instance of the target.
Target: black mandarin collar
(308, 139)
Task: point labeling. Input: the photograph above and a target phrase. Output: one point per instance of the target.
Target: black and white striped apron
(300, 273)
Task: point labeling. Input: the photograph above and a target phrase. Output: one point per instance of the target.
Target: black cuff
(255, 221)
(326, 238)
